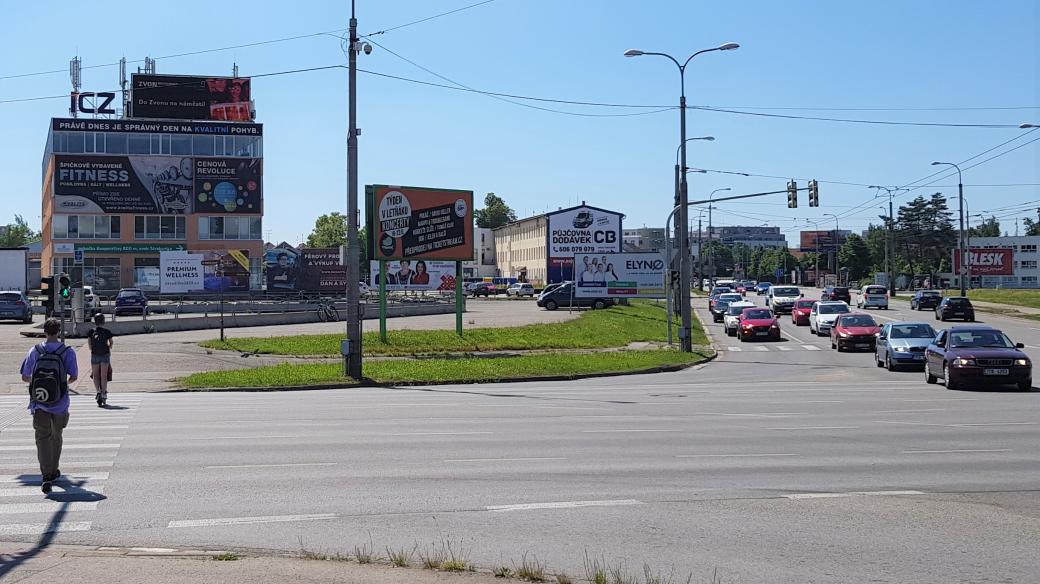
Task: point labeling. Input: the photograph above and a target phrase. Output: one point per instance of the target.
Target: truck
(14, 269)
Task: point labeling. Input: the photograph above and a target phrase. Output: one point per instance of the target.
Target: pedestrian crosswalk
(91, 442)
(768, 348)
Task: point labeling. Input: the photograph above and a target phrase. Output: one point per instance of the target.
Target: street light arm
(690, 58)
(665, 55)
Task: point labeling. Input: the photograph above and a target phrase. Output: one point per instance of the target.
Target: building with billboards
(999, 262)
(182, 173)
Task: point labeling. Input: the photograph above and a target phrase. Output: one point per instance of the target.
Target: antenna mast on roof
(149, 66)
(76, 73)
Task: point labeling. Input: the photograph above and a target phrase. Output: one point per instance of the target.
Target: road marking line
(954, 451)
(762, 349)
(251, 520)
(907, 411)
(943, 399)
(48, 507)
(272, 465)
(72, 428)
(816, 428)
(811, 348)
(59, 489)
(767, 415)
(623, 431)
(562, 505)
(997, 424)
(239, 437)
(74, 477)
(65, 463)
(153, 550)
(799, 496)
(730, 455)
(737, 349)
(437, 433)
(530, 459)
(41, 528)
(66, 447)
(783, 349)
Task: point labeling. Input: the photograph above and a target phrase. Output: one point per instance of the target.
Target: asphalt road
(771, 465)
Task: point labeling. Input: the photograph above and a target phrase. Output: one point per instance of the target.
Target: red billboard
(987, 261)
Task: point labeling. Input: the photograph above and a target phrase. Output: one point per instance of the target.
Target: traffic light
(47, 290)
(814, 194)
(792, 195)
(64, 286)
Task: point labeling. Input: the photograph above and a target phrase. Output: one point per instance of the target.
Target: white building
(483, 265)
(1003, 262)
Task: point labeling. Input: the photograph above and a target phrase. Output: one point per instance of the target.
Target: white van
(781, 298)
(873, 296)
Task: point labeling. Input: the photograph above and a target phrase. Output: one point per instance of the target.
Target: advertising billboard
(227, 185)
(229, 274)
(620, 275)
(579, 230)
(187, 97)
(180, 272)
(305, 270)
(123, 184)
(415, 275)
(156, 127)
(987, 261)
(418, 222)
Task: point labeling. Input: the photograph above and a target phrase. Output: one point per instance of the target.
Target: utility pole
(700, 257)
(352, 351)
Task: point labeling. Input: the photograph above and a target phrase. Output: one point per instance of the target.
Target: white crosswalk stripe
(768, 348)
(811, 348)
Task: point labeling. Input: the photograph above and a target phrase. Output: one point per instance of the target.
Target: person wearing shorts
(100, 341)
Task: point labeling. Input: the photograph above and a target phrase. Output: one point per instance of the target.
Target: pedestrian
(99, 339)
(49, 368)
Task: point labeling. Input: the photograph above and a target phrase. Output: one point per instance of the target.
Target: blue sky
(884, 55)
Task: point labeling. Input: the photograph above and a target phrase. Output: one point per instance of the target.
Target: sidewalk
(24, 564)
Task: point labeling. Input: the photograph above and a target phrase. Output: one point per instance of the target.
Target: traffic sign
(779, 273)
(77, 256)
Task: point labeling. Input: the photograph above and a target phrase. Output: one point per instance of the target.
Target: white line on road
(853, 494)
(762, 349)
(239, 437)
(731, 455)
(251, 520)
(65, 463)
(65, 447)
(563, 505)
(907, 411)
(287, 465)
(438, 433)
(996, 424)
(75, 478)
(816, 428)
(529, 459)
(954, 451)
(69, 429)
(41, 528)
(779, 348)
(59, 489)
(943, 399)
(623, 431)
(811, 348)
(48, 507)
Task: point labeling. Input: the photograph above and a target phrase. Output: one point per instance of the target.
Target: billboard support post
(382, 300)
(352, 361)
(459, 304)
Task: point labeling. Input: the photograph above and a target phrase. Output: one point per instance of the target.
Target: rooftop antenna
(122, 85)
(76, 73)
(149, 66)
(234, 70)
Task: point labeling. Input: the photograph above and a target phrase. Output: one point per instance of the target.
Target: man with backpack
(49, 368)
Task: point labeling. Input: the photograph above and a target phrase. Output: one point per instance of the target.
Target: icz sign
(92, 103)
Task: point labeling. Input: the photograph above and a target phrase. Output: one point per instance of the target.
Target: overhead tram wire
(851, 121)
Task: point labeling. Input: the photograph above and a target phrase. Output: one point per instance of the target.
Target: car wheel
(599, 305)
(551, 305)
(741, 336)
(928, 377)
(1026, 385)
(972, 319)
(947, 381)
(888, 362)
(834, 346)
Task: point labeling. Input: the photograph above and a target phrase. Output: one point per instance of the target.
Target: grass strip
(594, 329)
(465, 370)
(1028, 298)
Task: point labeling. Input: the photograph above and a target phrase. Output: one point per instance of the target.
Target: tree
(854, 256)
(924, 233)
(988, 228)
(1032, 227)
(876, 239)
(331, 231)
(495, 213)
(17, 234)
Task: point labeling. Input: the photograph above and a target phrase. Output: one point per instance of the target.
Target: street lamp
(888, 239)
(1027, 126)
(960, 245)
(711, 232)
(816, 240)
(836, 230)
(684, 234)
(678, 181)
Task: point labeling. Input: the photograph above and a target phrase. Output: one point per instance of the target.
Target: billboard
(417, 222)
(227, 185)
(620, 275)
(409, 275)
(123, 184)
(156, 127)
(579, 230)
(988, 261)
(306, 269)
(187, 97)
(180, 272)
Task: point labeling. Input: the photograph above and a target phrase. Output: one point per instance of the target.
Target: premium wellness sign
(987, 261)
(580, 230)
(415, 275)
(620, 275)
(191, 98)
(123, 184)
(180, 272)
(417, 222)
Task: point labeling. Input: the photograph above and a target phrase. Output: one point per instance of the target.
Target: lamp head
(1027, 126)
(729, 47)
(633, 53)
(936, 163)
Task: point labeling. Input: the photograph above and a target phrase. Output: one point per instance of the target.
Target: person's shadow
(67, 492)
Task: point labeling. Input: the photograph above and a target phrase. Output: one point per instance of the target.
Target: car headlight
(962, 362)
(901, 349)
(843, 334)
(1022, 362)
(776, 326)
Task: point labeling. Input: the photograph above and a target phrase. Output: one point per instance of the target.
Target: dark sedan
(564, 296)
(925, 300)
(836, 293)
(974, 356)
(131, 300)
(955, 307)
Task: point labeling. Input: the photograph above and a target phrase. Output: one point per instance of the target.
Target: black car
(836, 293)
(563, 296)
(131, 300)
(485, 289)
(955, 307)
(925, 300)
(977, 356)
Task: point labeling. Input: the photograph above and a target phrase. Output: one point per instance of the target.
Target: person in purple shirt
(50, 420)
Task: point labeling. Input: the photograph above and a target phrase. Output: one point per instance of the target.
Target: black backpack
(49, 381)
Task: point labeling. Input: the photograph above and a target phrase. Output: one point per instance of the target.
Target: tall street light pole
(352, 351)
(836, 231)
(711, 233)
(888, 240)
(678, 182)
(960, 196)
(683, 219)
(816, 240)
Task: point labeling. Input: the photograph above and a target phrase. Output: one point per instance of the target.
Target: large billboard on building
(305, 270)
(180, 272)
(987, 261)
(186, 97)
(620, 275)
(227, 185)
(415, 275)
(187, 272)
(579, 230)
(156, 127)
(418, 222)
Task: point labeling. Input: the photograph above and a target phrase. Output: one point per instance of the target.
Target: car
(520, 289)
(955, 307)
(91, 301)
(762, 287)
(131, 300)
(836, 293)
(550, 287)
(800, 311)
(731, 320)
(758, 323)
(873, 295)
(902, 343)
(781, 298)
(14, 304)
(563, 296)
(969, 356)
(823, 315)
(716, 292)
(721, 302)
(583, 220)
(741, 288)
(485, 289)
(854, 331)
(925, 300)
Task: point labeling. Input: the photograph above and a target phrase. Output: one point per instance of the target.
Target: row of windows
(171, 227)
(85, 227)
(1027, 264)
(160, 227)
(229, 228)
(172, 144)
(1025, 248)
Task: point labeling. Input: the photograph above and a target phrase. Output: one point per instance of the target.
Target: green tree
(1032, 227)
(330, 230)
(855, 256)
(988, 228)
(722, 256)
(18, 234)
(925, 234)
(495, 213)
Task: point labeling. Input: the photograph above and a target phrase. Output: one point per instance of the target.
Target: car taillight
(19, 303)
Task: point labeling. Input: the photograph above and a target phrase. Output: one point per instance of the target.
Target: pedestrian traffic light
(792, 195)
(47, 290)
(814, 194)
(64, 286)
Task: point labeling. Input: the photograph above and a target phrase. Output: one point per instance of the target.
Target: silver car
(902, 343)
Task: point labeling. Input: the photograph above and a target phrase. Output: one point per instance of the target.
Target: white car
(823, 315)
(91, 302)
(874, 295)
(781, 298)
(520, 289)
(732, 318)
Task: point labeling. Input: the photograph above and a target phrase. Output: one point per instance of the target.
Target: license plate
(8, 314)
(918, 357)
(958, 314)
(996, 371)
(761, 334)
(862, 345)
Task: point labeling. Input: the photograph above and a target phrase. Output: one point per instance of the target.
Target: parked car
(758, 323)
(485, 289)
(823, 315)
(974, 356)
(925, 300)
(801, 310)
(873, 296)
(762, 287)
(902, 343)
(91, 302)
(14, 305)
(836, 293)
(731, 321)
(955, 307)
(561, 297)
(854, 331)
(520, 289)
(131, 300)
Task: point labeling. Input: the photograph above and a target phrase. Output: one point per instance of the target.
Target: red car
(742, 289)
(758, 323)
(800, 312)
(854, 331)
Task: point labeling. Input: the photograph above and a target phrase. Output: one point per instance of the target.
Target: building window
(1029, 264)
(229, 228)
(1029, 281)
(160, 227)
(85, 227)
(1029, 248)
(100, 272)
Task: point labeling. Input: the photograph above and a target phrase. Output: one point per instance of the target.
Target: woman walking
(100, 340)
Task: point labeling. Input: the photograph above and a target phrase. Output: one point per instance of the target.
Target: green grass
(1028, 298)
(613, 327)
(445, 370)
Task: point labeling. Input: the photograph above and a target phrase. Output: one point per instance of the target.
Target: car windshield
(758, 314)
(875, 290)
(841, 291)
(912, 331)
(730, 297)
(833, 309)
(785, 291)
(978, 339)
(804, 303)
(858, 320)
(7, 297)
(735, 310)
(128, 293)
(958, 302)
(931, 294)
